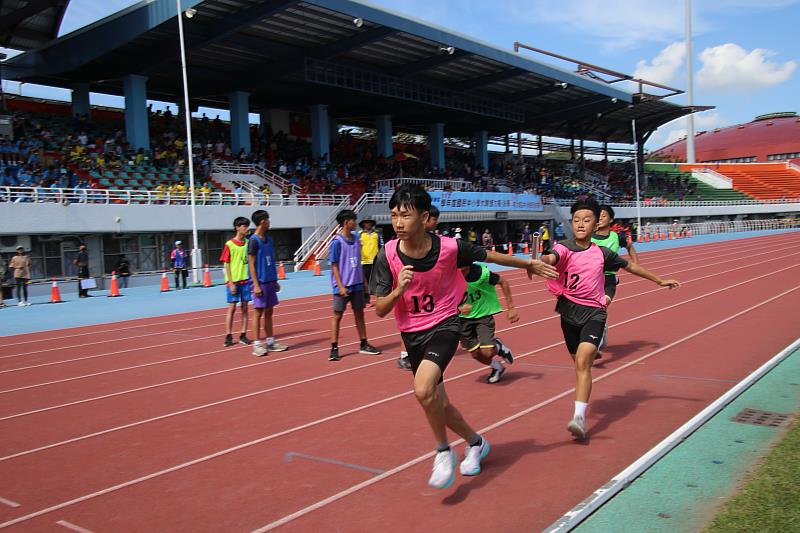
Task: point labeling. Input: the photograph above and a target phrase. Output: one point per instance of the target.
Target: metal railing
(251, 169)
(720, 226)
(148, 197)
(432, 184)
(674, 203)
(714, 173)
(321, 236)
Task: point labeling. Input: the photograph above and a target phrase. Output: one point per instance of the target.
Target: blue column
(320, 132)
(80, 99)
(384, 125)
(436, 145)
(482, 149)
(136, 127)
(240, 121)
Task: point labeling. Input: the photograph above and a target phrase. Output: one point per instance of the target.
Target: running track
(152, 426)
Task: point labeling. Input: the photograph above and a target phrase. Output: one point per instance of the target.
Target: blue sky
(746, 52)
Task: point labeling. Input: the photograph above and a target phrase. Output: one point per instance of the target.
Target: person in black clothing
(123, 270)
(82, 262)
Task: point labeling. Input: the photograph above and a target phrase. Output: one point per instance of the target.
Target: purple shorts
(268, 298)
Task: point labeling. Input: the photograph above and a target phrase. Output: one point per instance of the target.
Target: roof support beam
(535, 93)
(416, 67)
(495, 77)
(33, 7)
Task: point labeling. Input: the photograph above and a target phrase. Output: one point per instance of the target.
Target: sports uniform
(478, 326)
(235, 254)
(427, 312)
(613, 241)
(266, 271)
(580, 290)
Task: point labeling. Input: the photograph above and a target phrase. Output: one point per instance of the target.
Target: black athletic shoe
(228, 340)
(334, 356)
(244, 340)
(404, 363)
(496, 374)
(369, 349)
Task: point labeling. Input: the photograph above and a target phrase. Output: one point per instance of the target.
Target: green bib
(611, 241)
(482, 296)
(239, 267)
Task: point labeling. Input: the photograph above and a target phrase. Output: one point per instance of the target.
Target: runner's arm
(638, 270)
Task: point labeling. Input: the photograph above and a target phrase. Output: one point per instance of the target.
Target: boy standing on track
(417, 275)
(347, 280)
(613, 240)
(477, 322)
(180, 263)
(265, 287)
(430, 227)
(237, 282)
(581, 302)
(371, 242)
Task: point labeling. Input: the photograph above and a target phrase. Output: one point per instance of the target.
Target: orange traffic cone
(670, 235)
(317, 269)
(55, 293)
(164, 282)
(281, 271)
(541, 248)
(646, 237)
(689, 234)
(510, 249)
(113, 292)
(526, 249)
(206, 277)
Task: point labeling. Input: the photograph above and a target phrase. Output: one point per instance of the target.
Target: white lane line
(355, 488)
(389, 473)
(8, 502)
(657, 254)
(628, 284)
(303, 354)
(73, 527)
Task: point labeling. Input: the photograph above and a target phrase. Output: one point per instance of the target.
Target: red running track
(120, 430)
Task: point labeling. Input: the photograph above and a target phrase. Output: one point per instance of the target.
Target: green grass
(770, 499)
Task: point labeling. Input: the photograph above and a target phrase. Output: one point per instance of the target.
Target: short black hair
(345, 215)
(589, 204)
(259, 216)
(411, 196)
(434, 211)
(241, 221)
(608, 209)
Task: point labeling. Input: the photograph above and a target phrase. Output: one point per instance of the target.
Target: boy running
(477, 318)
(347, 280)
(417, 276)
(613, 240)
(430, 227)
(581, 301)
(265, 287)
(237, 283)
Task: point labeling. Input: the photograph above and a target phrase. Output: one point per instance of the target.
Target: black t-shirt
(575, 313)
(381, 279)
(474, 275)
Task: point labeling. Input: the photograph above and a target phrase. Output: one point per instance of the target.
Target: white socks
(497, 365)
(403, 355)
(580, 409)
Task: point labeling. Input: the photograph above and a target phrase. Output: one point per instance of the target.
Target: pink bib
(580, 276)
(432, 296)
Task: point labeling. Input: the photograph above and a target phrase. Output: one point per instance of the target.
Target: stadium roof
(358, 59)
(29, 24)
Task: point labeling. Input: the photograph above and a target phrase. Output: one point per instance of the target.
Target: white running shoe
(277, 347)
(21, 304)
(259, 350)
(471, 465)
(577, 426)
(444, 469)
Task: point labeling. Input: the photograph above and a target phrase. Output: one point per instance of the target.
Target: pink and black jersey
(581, 273)
(433, 295)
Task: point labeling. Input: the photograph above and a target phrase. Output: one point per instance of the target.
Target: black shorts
(477, 333)
(611, 285)
(356, 298)
(438, 344)
(591, 332)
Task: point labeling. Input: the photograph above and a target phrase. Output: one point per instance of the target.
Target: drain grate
(757, 417)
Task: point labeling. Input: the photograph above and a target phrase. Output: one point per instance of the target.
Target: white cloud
(731, 67)
(665, 66)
